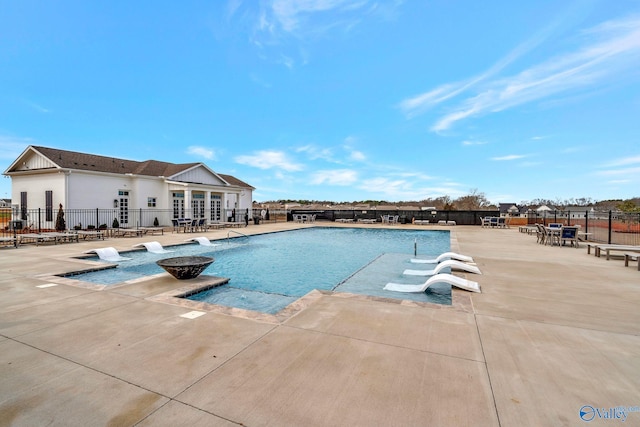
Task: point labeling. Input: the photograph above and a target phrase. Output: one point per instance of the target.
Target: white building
(44, 178)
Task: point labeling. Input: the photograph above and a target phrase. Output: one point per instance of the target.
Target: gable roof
(232, 180)
(91, 162)
(63, 159)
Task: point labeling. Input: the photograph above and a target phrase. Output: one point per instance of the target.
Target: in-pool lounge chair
(453, 264)
(458, 282)
(442, 257)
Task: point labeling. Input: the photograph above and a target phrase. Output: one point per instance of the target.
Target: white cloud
(509, 157)
(619, 167)
(418, 104)
(282, 29)
(341, 177)
(354, 154)
(608, 50)
(268, 159)
(467, 142)
(257, 79)
(358, 156)
(625, 171)
(201, 152)
(414, 176)
(624, 161)
(403, 189)
(232, 7)
(11, 147)
(314, 152)
(291, 14)
(395, 188)
(37, 107)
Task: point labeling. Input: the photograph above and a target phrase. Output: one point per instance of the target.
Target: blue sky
(335, 99)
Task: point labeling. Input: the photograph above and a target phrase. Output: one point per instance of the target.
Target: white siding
(34, 161)
(246, 199)
(36, 186)
(198, 175)
(89, 191)
(144, 187)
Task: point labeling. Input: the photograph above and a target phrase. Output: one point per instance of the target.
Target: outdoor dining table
(553, 235)
(184, 223)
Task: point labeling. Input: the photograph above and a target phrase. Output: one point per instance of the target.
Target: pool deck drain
(554, 330)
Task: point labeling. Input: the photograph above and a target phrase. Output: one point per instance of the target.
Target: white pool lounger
(453, 264)
(107, 254)
(153, 247)
(442, 257)
(203, 241)
(458, 282)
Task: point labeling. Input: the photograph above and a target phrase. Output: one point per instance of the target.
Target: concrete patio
(553, 331)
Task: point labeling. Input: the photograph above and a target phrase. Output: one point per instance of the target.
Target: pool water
(267, 272)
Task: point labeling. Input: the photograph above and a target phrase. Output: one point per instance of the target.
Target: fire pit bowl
(185, 267)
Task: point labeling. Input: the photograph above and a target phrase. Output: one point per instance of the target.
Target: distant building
(44, 178)
(511, 209)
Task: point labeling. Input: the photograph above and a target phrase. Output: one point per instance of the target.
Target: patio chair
(541, 234)
(569, 234)
(456, 281)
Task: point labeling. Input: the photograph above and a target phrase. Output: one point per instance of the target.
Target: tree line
(477, 200)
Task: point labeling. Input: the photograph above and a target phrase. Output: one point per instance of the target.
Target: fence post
(39, 220)
(610, 226)
(586, 221)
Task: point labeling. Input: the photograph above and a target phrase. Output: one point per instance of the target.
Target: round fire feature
(185, 267)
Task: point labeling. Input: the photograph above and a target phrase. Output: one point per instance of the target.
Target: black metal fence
(600, 226)
(38, 220)
(404, 216)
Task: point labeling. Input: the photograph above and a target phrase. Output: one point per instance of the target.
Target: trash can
(16, 224)
(256, 220)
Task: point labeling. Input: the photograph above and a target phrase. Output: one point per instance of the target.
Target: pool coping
(460, 299)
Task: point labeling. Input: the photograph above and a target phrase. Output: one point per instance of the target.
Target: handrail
(237, 232)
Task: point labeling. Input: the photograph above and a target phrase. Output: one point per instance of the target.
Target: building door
(197, 205)
(216, 208)
(123, 203)
(178, 205)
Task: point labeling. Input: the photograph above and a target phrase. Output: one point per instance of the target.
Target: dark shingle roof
(234, 181)
(92, 162)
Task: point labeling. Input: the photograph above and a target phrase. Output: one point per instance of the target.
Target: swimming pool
(268, 272)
